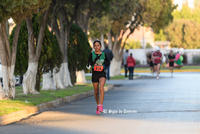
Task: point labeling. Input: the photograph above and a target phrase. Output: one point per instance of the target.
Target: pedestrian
(98, 60)
(130, 64)
(157, 57)
(109, 53)
(150, 59)
(125, 56)
(171, 58)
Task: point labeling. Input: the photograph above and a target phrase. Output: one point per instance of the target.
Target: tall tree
(18, 10)
(62, 17)
(91, 10)
(35, 47)
(164, 16)
(160, 36)
(184, 34)
(143, 12)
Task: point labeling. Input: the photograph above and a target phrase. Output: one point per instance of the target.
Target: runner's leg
(96, 91)
(154, 68)
(102, 81)
(158, 70)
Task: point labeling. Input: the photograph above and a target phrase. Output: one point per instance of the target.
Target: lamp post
(143, 40)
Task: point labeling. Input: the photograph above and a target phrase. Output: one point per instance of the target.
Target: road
(142, 106)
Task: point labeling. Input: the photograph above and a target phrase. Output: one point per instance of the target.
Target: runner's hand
(88, 66)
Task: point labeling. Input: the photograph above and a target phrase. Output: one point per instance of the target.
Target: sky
(180, 2)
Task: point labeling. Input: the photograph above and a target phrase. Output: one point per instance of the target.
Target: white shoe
(157, 77)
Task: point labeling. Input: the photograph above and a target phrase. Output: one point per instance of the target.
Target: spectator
(131, 64)
(125, 56)
(109, 54)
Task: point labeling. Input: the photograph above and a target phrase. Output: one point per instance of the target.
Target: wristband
(88, 67)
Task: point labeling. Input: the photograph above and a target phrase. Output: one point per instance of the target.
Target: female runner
(98, 60)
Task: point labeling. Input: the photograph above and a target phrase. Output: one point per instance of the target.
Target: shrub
(148, 45)
(196, 59)
(132, 44)
(137, 62)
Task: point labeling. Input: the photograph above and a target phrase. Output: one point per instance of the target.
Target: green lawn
(190, 67)
(8, 106)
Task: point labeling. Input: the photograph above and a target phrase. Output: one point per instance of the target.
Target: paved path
(165, 106)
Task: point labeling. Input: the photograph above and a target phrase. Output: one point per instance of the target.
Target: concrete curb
(17, 116)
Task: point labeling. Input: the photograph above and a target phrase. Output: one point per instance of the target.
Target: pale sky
(180, 2)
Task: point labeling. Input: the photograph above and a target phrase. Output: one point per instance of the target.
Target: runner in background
(157, 57)
(171, 58)
(150, 59)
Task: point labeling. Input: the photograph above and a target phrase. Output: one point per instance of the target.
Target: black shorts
(151, 63)
(171, 64)
(97, 75)
(155, 64)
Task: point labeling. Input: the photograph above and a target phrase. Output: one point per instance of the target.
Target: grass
(9, 106)
(190, 67)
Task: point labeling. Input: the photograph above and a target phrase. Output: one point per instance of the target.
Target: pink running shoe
(101, 108)
(97, 111)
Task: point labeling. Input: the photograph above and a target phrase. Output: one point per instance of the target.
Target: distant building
(162, 44)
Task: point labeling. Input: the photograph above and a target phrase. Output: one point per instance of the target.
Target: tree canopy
(184, 34)
(21, 9)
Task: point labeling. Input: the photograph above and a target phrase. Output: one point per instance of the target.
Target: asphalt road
(143, 106)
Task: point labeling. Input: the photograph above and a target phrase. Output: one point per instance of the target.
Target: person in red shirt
(130, 64)
(157, 57)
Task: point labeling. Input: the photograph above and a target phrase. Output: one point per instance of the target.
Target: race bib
(98, 68)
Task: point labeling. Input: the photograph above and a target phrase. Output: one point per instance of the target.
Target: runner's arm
(90, 61)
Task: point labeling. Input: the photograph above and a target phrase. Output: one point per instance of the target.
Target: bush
(137, 62)
(196, 59)
(148, 45)
(78, 51)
